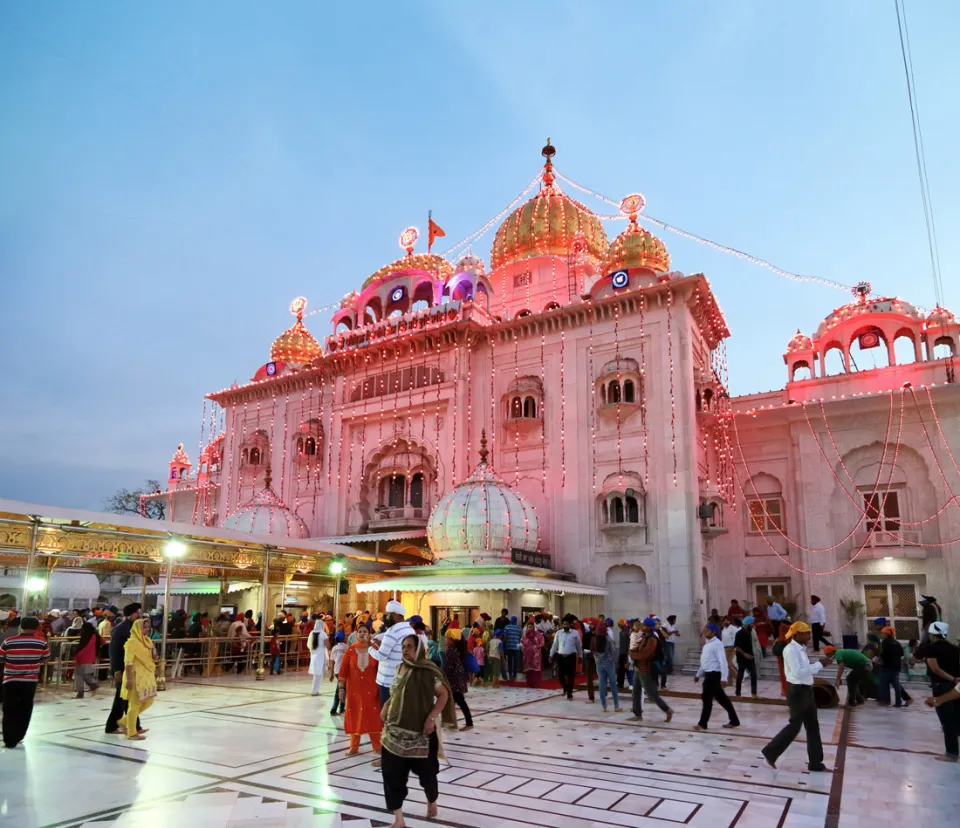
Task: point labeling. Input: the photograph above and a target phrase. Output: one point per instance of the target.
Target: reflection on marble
(234, 752)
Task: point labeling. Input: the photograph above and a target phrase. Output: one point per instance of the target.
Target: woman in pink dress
(532, 643)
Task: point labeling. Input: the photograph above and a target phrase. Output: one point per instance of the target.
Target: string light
(469, 392)
(643, 392)
(456, 400)
(673, 396)
(593, 404)
(616, 341)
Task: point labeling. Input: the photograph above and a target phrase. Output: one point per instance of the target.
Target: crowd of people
(398, 680)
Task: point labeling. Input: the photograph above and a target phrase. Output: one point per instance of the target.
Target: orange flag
(434, 231)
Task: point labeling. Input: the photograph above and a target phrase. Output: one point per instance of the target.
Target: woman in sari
(419, 694)
(139, 687)
(532, 643)
(85, 661)
(358, 687)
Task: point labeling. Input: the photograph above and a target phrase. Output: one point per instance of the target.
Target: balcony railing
(882, 538)
(399, 517)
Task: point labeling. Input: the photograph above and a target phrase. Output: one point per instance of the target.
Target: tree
(127, 502)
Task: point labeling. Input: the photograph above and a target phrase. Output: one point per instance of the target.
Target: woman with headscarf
(139, 687)
(317, 645)
(418, 695)
(73, 631)
(606, 657)
(456, 674)
(84, 666)
(532, 643)
(357, 684)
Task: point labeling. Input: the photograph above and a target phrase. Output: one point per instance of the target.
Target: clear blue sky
(173, 174)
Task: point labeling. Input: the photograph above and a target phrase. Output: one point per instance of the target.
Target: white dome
(267, 514)
(482, 520)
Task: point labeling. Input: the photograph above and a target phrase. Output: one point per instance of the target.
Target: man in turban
(803, 709)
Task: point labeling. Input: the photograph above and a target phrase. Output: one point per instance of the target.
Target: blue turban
(748, 620)
(881, 621)
(414, 620)
(649, 622)
(513, 619)
(714, 629)
(339, 636)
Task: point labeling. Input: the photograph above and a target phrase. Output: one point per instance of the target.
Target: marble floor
(233, 752)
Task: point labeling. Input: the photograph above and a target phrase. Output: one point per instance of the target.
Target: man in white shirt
(714, 672)
(729, 636)
(567, 645)
(671, 634)
(818, 622)
(389, 655)
(799, 672)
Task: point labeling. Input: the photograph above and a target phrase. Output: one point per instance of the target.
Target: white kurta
(318, 656)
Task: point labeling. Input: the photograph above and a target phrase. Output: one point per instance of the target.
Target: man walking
(670, 635)
(118, 640)
(746, 663)
(643, 677)
(713, 671)
(390, 653)
(803, 709)
(566, 648)
(21, 656)
(858, 665)
(891, 657)
(728, 636)
(511, 647)
(776, 615)
(818, 622)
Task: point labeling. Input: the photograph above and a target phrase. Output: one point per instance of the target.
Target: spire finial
(267, 478)
(297, 307)
(483, 447)
(548, 152)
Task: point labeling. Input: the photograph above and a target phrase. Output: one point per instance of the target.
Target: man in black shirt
(943, 665)
(118, 640)
(743, 644)
(503, 620)
(891, 656)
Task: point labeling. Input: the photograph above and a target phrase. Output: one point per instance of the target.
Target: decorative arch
(372, 311)
(627, 591)
(406, 458)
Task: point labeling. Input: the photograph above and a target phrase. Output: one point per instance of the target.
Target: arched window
(628, 394)
(530, 407)
(613, 392)
(605, 512)
(300, 446)
(310, 447)
(603, 395)
(254, 456)
(394, 489)
(633, 510)
(416, 491)
(516, 408)
(617, 509)
(522, 313)
(245, 459)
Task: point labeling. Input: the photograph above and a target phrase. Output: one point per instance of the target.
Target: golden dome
(431, 263)
(636, 247)
(296, 346)
(546, 224)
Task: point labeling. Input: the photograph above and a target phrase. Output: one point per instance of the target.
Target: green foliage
(127, 502)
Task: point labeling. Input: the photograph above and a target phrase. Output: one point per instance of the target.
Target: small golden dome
(296, 346)
(636, 247)
(546, 225)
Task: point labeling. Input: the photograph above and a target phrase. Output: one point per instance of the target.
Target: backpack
(660, 659)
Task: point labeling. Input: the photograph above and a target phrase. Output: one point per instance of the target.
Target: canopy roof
(473, 583)
(178, 587)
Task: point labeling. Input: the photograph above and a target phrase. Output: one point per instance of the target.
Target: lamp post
(264, 603)
(171, 550)
(337, 568)
(27, 580)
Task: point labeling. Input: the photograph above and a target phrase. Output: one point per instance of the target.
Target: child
(909, 660)
(495, 656)
(479, 653)
(336, 660)
(275, 655)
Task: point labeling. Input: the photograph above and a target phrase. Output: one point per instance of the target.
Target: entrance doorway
(442, 615)
(898, 603)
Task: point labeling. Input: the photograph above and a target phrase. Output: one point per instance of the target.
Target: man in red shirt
(22, 656)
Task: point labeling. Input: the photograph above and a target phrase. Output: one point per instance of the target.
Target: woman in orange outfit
(358, 680)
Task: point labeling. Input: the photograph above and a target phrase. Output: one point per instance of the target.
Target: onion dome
(546, 224)
(800, 342)
(940, 318)
(180, 456)
(636, 247)
(267, 514)
(296, 346)
(472, 263)
(864, 306)
(430, 263)
(482, 520)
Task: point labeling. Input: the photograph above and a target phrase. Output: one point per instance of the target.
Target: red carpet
(546, 683)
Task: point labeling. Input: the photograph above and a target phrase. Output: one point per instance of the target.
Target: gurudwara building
(551, 429)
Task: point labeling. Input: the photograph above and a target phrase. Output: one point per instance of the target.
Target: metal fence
(185, 658)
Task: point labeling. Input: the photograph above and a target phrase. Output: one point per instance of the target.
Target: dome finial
(548, 152)
(267, 478)
(483, 446)
(297, 307)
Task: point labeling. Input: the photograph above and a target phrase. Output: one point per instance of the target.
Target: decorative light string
(643, 393)
(616, 342)
(468, 342)
(543, 416)
(943, 437)
(644, 217)
(516, 429)
(330, 441)
(593, 403)
(456, 400)
(673, 395)
(492, 337)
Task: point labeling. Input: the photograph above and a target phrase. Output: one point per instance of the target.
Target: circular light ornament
(620, 279)
(271, 369)
(408, 238)
(397, 294)
(632, 204)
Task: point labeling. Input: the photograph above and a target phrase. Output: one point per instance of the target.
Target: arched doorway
(626, 592)
(8, 601)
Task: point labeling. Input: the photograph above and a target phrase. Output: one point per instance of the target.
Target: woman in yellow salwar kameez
(139, 676)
